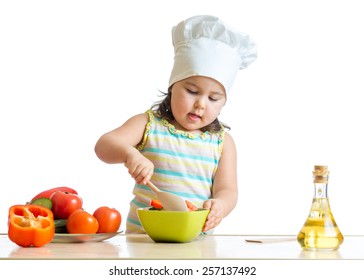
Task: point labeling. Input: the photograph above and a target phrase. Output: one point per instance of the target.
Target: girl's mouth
(193, 117)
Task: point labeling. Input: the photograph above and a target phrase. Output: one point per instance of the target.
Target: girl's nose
(200, 103)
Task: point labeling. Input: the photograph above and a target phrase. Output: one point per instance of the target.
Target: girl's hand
(215, 215)
(139, 167)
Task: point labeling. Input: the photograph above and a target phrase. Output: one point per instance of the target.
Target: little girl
(179, 144)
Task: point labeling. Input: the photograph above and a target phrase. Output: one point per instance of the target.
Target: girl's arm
(224, 189)
(118, 146)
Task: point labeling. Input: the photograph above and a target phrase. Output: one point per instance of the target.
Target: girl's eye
(191, 91)
(213, 99)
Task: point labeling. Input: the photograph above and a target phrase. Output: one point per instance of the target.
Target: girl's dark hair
(163, 109)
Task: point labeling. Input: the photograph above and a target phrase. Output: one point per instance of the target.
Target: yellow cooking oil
(320, 231)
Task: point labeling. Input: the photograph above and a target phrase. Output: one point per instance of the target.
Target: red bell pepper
(191, 206)
(158, 205)
(48, 193)
(30, 225)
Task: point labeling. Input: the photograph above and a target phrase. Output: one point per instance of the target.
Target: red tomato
(83, 222)
(109, 219)
(65, 203)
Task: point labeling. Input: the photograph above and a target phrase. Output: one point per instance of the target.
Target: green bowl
(172, 226)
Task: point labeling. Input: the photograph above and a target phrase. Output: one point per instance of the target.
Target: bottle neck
(320, 190)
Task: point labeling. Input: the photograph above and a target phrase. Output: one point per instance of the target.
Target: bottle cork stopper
(320, 173)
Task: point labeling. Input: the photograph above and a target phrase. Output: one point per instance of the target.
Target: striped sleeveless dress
(184, 164)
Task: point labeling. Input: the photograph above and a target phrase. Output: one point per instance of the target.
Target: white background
(73, 70)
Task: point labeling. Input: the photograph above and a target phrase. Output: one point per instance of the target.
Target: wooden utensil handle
(153, 187)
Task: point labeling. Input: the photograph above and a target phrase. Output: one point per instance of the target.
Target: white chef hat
(205, 46)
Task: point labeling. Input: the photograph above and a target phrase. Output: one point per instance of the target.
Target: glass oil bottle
(320, 231)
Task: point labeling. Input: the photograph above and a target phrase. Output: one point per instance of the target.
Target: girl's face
(196, 102)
